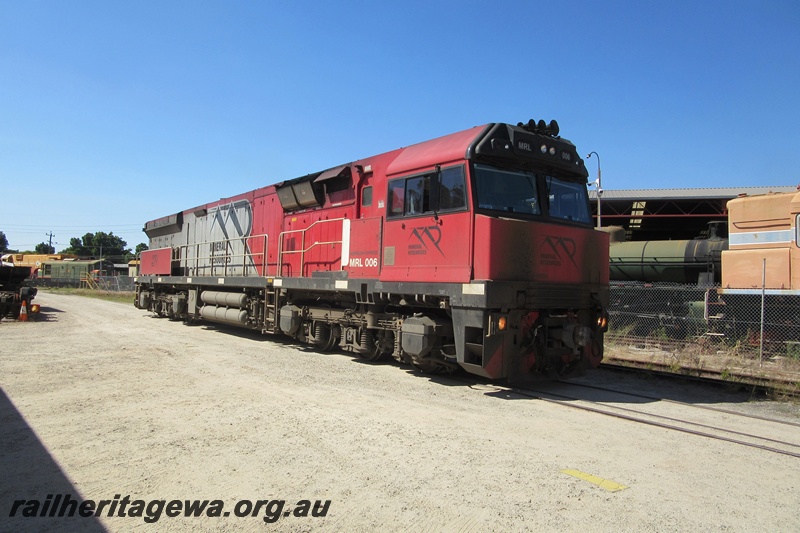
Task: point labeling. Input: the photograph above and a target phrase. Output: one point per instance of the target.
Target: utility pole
(598, 184)
(50, 245)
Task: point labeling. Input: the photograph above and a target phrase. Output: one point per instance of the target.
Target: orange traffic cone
(23, 312)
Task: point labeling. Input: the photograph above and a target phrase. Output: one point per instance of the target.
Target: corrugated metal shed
(670, 214)
(699, 193)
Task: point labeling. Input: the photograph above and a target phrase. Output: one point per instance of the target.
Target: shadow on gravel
(598, 385)
(250, 334)
(601, 386)
(29, 472)
(618, 387)
(46, 314)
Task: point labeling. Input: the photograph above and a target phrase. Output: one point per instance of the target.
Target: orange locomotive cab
(473, 250)
(761, 268)
(762, 243)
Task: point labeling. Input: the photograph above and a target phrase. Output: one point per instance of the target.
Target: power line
(45, 226)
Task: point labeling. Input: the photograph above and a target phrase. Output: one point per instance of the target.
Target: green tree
(44, 248)
(130, 256)
(96, 244)
(3, 242)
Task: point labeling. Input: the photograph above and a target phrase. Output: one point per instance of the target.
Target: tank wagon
(695, 261)
(472, 250)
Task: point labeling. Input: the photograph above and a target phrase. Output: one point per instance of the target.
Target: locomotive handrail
(212, 265)
(303, 250)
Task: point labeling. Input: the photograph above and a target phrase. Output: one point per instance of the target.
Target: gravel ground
(102, 401)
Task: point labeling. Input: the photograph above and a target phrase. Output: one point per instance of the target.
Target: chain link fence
(675, 317)
(668, 315)
(104, 283)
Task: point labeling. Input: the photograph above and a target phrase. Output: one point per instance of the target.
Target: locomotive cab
(542, 262)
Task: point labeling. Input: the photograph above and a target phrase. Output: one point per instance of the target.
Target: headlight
(602, 321)
(497, 324)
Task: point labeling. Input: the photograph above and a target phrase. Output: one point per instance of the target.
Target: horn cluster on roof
(540, 127)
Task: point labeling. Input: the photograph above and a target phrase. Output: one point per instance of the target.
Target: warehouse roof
(698, 193)
(664, 214)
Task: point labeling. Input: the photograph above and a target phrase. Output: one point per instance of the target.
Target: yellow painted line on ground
(607, 484)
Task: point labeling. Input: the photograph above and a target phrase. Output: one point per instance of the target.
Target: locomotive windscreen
(517, 192)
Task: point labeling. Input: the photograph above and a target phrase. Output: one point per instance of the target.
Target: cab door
(428, 230)
(361, 253)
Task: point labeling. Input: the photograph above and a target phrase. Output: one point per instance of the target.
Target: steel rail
(661, 424)
(540, 395)
(678, 420)
(687, 404)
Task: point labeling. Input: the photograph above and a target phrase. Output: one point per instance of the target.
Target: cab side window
(396, 198)
(418, 195)
(452, 195)
(442, 190)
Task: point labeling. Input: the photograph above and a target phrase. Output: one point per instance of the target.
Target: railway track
(692, 405)
(785, 384)
(741, 429)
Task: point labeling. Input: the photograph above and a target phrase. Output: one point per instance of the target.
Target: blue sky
(115, 113)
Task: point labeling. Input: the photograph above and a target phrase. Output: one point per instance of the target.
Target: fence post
(763, 297)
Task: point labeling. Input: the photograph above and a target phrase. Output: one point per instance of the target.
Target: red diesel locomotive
(473, 250)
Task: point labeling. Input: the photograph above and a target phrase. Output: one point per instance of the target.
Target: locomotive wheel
(320, 335)
(333, 340)
(369, 350)
(376, 344)
(325, 336)
(594, 352)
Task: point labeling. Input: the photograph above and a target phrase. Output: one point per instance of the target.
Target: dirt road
(104, 402)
